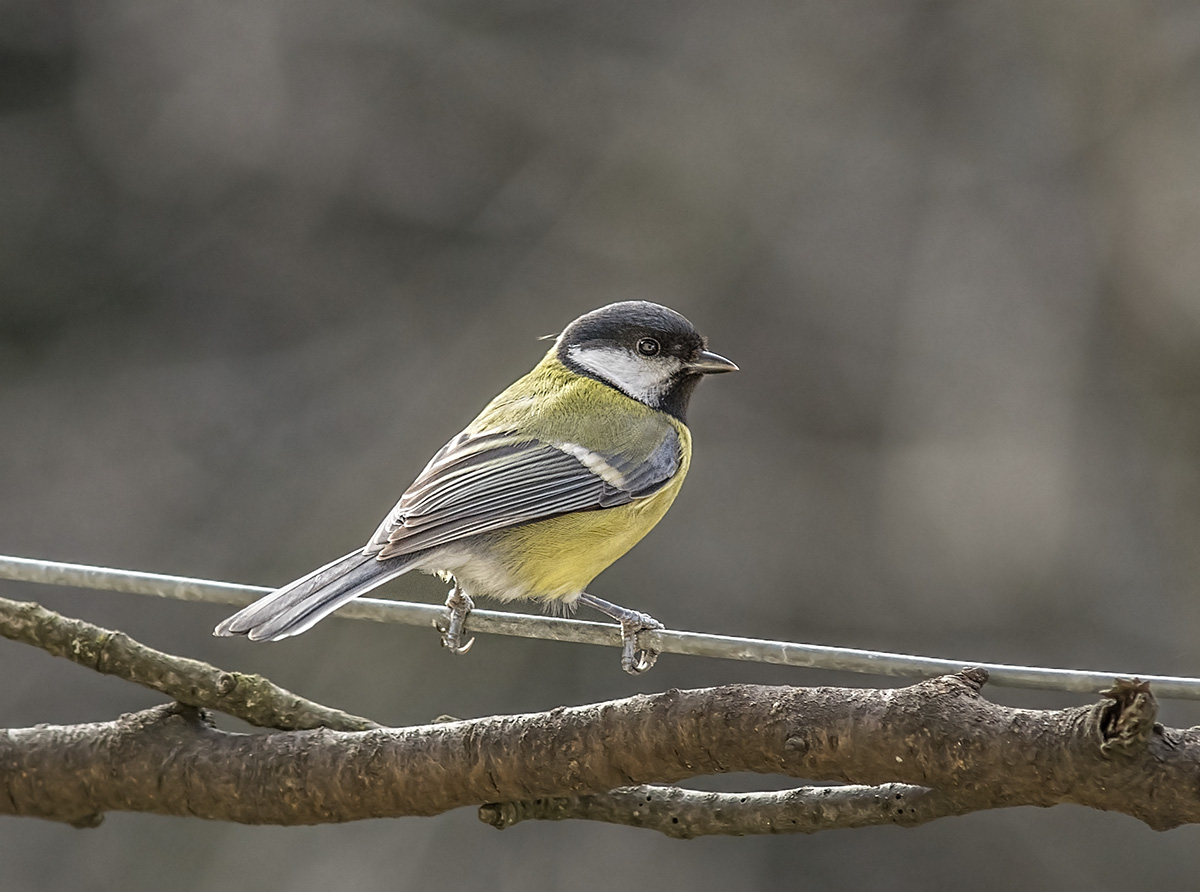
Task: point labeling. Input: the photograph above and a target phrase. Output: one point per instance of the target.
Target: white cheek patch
(642, 377)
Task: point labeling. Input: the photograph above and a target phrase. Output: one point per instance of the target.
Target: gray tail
(300, 605)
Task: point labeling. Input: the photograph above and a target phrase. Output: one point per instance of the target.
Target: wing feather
(484, 482)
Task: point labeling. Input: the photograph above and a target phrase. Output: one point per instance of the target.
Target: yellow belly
(559, 557)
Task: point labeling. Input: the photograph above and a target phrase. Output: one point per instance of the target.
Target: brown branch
(251, 698)
(939, 734)
(686, 814)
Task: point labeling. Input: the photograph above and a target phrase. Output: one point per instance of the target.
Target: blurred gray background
(259, 260)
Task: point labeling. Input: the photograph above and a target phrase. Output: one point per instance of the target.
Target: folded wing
(483, 482)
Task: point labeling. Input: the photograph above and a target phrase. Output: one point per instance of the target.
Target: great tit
(559, 476)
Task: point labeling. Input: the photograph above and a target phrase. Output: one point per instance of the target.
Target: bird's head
(646, 351)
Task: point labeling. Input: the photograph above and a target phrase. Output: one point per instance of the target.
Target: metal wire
(523, 625)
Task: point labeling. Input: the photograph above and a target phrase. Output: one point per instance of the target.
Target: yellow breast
(559, 557)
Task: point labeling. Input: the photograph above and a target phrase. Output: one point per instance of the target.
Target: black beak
(709, 363)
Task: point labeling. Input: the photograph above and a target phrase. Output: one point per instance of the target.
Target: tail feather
(300, 605)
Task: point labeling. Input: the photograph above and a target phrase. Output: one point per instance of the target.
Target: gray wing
(484, 482)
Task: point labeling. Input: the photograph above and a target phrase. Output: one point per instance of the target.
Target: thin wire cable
(493, 622)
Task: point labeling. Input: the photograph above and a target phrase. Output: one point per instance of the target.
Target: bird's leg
(460, 604)
(634, 659)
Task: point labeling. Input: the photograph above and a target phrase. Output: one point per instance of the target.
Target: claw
(634, 659)
(460, 604)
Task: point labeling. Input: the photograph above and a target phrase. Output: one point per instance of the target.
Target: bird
(558, 477)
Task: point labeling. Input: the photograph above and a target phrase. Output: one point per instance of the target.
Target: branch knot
(1123, 722)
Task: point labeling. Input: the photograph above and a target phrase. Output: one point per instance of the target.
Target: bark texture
(940, 735)
(686, 814)
(252, 698)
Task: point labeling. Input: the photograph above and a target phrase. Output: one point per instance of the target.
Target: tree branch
(686, 814)
(939, 734)
(251, 698)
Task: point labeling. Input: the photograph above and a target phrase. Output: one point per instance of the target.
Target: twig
(686, 814)
(551, 628)
(249, 697)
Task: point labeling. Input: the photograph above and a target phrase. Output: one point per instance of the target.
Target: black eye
(648, 347)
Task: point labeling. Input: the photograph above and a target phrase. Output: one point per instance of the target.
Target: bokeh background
(259, 260)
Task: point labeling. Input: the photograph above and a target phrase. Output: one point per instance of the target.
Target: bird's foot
(635, 659)
(459, 604)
